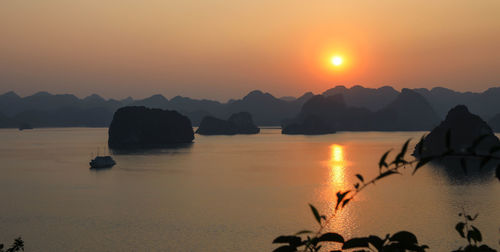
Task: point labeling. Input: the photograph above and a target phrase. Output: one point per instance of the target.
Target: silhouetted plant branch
(18, 245)
(400, 241)
(472, 234)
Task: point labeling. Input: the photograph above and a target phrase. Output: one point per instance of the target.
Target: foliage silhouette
(472, 234)
(403, 240)
(18, 245)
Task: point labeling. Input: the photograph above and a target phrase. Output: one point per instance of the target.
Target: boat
(102, 162)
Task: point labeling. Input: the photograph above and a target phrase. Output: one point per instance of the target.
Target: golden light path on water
(337, 165)
(343, 220)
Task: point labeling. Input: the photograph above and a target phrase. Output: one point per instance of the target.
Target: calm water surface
(223, 193)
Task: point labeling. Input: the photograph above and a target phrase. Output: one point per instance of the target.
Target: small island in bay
(464, 128)
(238, 123)
(141, 127)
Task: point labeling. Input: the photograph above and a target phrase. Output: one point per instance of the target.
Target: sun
(336, 60)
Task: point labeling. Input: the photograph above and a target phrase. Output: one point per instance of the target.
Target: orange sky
(221, 49)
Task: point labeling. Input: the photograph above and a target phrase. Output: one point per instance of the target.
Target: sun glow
(336, 60)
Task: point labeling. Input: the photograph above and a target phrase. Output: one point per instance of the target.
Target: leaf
(376, 241)
(470, 236)
(472, 218)
(422, 162)
(315, 213)
(404, 148)
(290, 239)
(387, 173)
(477, 234)
(346, 201)
(303, 232)
(448, 139)
(331, 237)
(460, 229)
(382, 162)
(356, 243)
(313, 241)
(340, 197)
(285, 249)
(405, 238)
(360, 177)
(400, 157)
(356, 185)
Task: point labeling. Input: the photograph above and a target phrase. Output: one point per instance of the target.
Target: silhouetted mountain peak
(492, 91)
(408, 96)
(94, 98)
(386, 88)
(306, 96)
(156, 97)
(190, 103)
(370, 98)
(442, 91)
(257, 94)
(413, 111)
(357, 87)
(155, 101)
(458, 112)
(411, 102)
(41, 94)
(407, 92)
(320, 104)
(179, 98)
(335, 90)
(10, 95)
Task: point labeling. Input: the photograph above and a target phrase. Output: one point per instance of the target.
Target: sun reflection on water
(337, 166)
(342, 222)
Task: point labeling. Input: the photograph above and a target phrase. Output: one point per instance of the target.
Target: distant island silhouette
(238, 123)
(65, 110)
(324, 114)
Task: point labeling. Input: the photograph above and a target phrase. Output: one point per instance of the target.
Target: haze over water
(223, 193)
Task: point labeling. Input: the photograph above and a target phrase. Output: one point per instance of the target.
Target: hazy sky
(224, 48)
